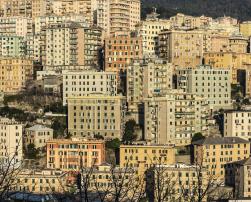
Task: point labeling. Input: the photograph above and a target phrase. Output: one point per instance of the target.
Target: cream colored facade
(237, 124)
(82, 83)
(96, 115)
(41, 181)
(82, 7)
(11, 146)
(183, 48)
(146, 79)
(214, 153)
(17, 8)
(37, 135)
(177, 182)
(143, 157)
(149, 30)
(15, 73)
(118, 15)
(74, 154)
(245, 28)
(175, 117)
(228, 60)
(71, 44)
(212, 84)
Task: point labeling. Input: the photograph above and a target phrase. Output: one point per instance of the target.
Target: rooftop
(39, 128)
(220, 140)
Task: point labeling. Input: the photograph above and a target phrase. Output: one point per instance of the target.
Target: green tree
(129, 134)
(113, 144)
(197, 136)
(32, 152)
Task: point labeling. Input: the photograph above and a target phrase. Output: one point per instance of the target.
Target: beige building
(17, 8)
(245, 28)
(41, 181)
(38, 135)
(71, 44)
(183, 48)
(11, 147)
(118, 15)
(237, 123)
(82, 83)
(175, 117)
(177, 182)
(15, 74)
(145, 156)
(74, 154)
(96, 114)
(228, 60)
(214, 153)
(149, 29)
(214, 84)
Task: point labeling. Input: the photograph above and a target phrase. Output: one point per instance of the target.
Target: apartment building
(149, 29)
(228, 60)
(12, 46)
(16, 72)
(41, 181)
(21, 8)
(40, 8)
(37, 135)
(244, 80)
(86, 8)
(11, 147)
(211, 83)
(145, 156)
(183, 48)
(176, 182)
(118, 15)
(237, 123)
(175, 117)
(97, 114)
(20, 26)
(147, 78)
(71, 44)
(214, 153)
(82, 83)
(74, 154)
(121, 50)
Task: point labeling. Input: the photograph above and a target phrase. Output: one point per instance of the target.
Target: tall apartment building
(121, 50)
(175, 117)
(20, 26)
(149, 29)
(98, 114)
(214, 153)
(87, 8)
(228, 60)
(12, 46)
(74, 154)
(40, 8)
(41, 181)
(146, 79)
(37, 135)
(16, 72)
(71, 44)
(17, 8)
(205, 81)
(82, 83)
(11, 147)
(118, 15)
(237, 123)
(182, 47)
(144, 156)
(176, 182)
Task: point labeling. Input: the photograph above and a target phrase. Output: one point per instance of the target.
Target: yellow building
(228, 60)
(145, 156)
(214, 153)
(245, 28)
(41, 181)
(15, 73)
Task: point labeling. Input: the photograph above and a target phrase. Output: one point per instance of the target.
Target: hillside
(240, 9)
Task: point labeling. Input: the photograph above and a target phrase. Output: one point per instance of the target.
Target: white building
(38, 135)
(11, 146)
(237, 123)
(213, 84)
(82, 83)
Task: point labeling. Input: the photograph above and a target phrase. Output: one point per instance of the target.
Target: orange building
(72, 154)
